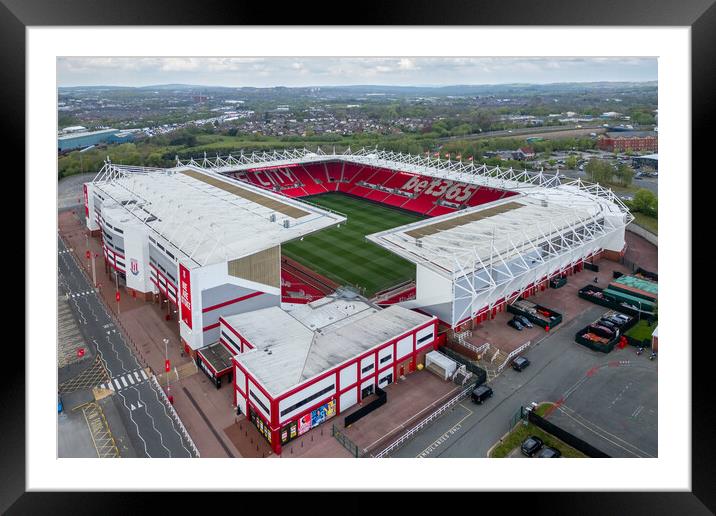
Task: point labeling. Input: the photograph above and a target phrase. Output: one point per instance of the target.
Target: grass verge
(521, 431)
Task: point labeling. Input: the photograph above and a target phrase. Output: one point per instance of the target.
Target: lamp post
(166, 361)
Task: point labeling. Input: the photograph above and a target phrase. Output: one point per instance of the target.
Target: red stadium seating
(317, 178)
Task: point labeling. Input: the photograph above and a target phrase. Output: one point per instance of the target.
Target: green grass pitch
(344, 255)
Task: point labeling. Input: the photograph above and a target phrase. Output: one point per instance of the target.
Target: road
(151, 429)
(70, 192)
(545, 132)
(558, 364)
(650, 183)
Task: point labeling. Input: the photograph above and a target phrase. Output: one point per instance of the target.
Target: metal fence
(345, 441)
(478, 371)
(425, 422)
(514, 353)
(175, 417)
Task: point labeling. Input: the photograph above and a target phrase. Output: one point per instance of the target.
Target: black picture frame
(699, 15)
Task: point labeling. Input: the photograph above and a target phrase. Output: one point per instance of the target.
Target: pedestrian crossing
(130, 379)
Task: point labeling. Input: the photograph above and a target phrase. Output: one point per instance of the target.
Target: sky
(334, 71)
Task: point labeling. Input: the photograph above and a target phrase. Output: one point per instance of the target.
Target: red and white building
(295, 369)
(206, 244)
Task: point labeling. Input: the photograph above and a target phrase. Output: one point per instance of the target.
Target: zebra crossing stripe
(131, 380)
(144, 375)
(125, 382)
(119, 385)
(136, 375)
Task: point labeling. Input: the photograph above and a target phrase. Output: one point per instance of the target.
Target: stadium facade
(206, 237)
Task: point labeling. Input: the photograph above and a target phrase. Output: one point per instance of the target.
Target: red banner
(86, 201)
(185, 289)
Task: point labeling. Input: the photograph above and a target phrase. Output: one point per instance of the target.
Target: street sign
(167, 366)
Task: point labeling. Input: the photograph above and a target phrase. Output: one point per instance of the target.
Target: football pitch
(344, 255)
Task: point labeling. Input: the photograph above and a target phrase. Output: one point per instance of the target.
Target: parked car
(481, 393)
(519, 363)
(531, 445)
(515, 324)
(524, 321)
(607, 323)
(548, 453)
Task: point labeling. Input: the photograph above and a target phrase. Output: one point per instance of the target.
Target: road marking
(125, 382)
(601, 432)
(136, 375)
(119, 385)
(131, 380)
(144, 375)
(448, 433)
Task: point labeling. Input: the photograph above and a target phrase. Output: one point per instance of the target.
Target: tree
(599, 171)
(624, 174)
(645, 202)
(571, 162)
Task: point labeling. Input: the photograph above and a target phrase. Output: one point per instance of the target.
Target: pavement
(70, 192)
(608, 400)
(151, 429)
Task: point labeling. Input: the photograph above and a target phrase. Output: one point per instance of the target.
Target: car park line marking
(602, 432)
(445, 436)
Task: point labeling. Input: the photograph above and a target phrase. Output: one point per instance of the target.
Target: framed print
(433, 234)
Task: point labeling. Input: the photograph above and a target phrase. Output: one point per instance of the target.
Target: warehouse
(294, 369)
(207, 244)
(79, 140)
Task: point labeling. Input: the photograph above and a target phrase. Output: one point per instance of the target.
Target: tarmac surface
(609, 400)
(151, 430)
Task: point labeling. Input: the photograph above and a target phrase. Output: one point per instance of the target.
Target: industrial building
(79, 140)
(296, 368)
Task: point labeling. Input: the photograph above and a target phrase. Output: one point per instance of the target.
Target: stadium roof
(478, 238)
(296, 345)
(206, 216)
(550, 208)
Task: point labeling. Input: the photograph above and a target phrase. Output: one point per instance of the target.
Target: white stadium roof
(208, 217)
(550, 207)
(296, 345)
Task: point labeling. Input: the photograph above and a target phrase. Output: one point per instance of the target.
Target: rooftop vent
(286, 223)
(273, 217)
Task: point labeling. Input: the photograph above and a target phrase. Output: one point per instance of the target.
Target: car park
(531, 445)
(519, 363)
(547, 452)
(515, 324)
(481, 393)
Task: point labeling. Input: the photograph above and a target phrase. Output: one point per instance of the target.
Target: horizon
(325, 72)
(358, 85)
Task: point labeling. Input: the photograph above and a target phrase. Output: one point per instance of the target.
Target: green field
(344, 255)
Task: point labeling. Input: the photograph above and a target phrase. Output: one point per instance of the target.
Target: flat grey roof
(294, 346)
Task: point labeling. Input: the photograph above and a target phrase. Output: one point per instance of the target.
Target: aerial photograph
(357, 257)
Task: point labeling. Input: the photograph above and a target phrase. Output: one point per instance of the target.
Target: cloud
(318, 71)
